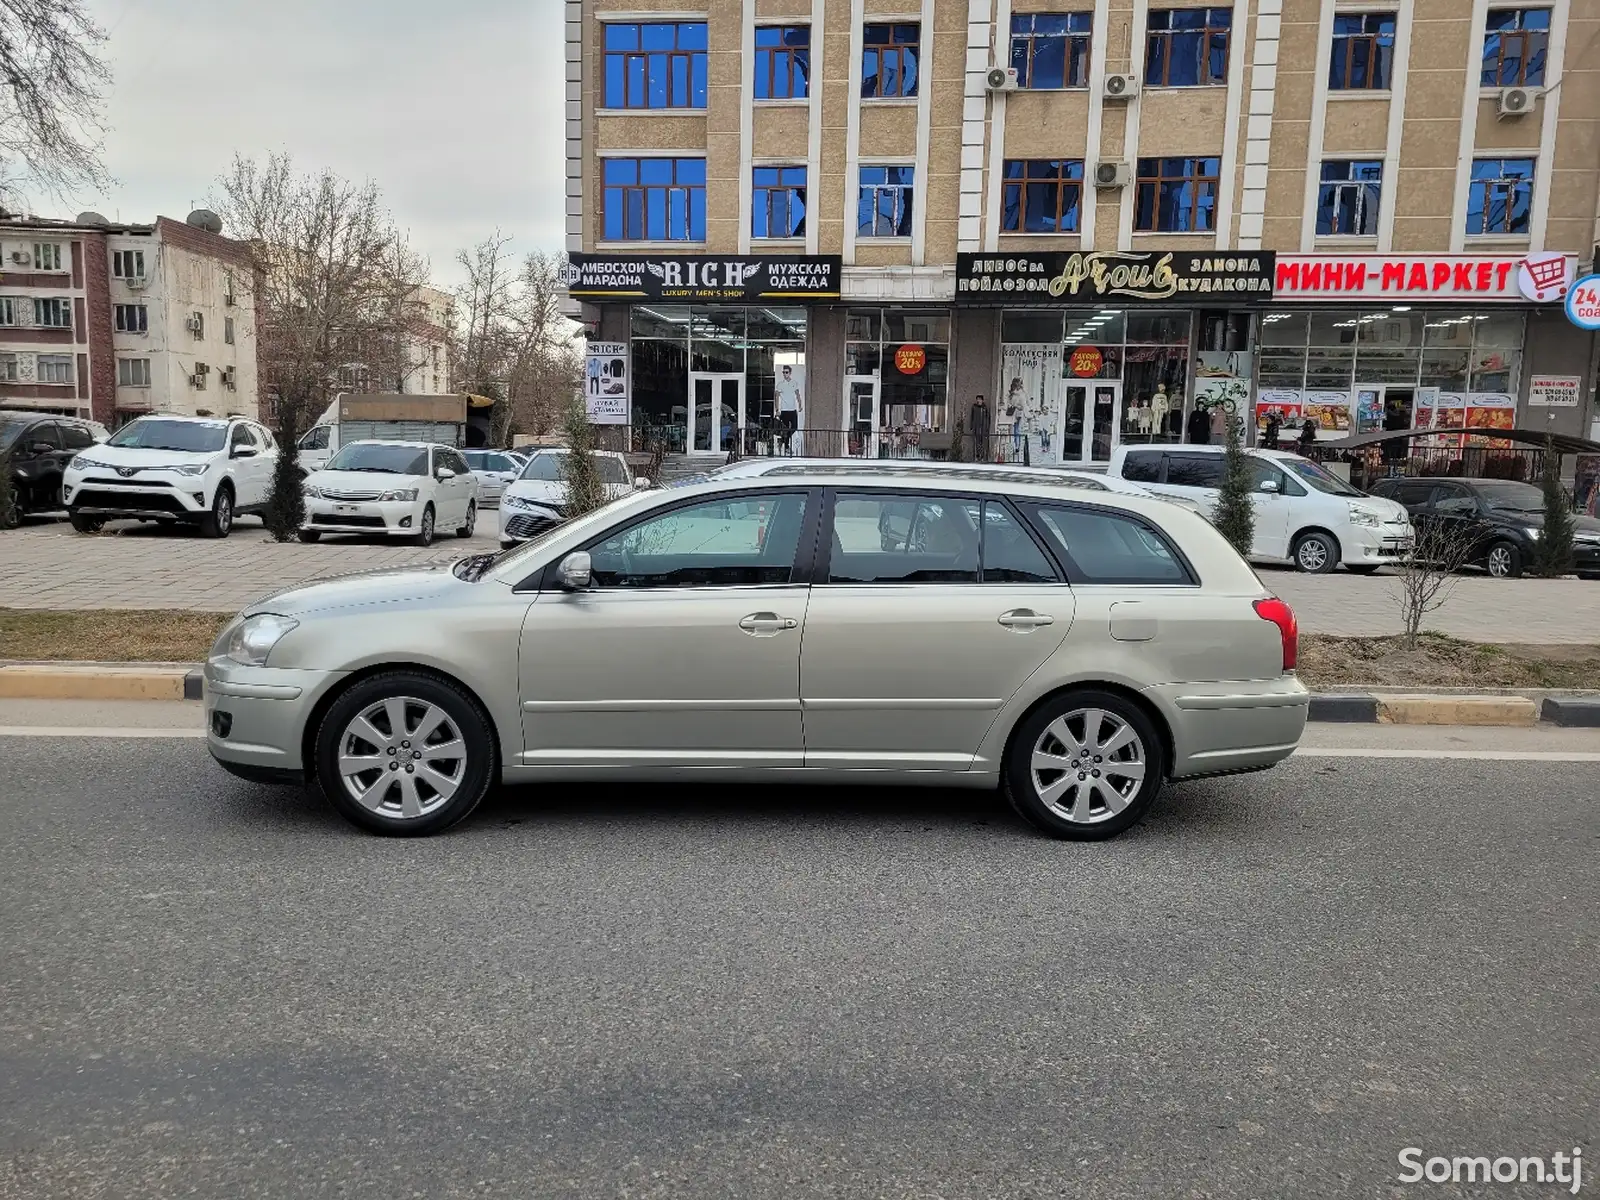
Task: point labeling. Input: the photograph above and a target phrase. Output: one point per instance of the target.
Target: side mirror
(640, 483)
(1269, 485)
(43, 447)
(444, 473)
(576, 571)
(243, 452)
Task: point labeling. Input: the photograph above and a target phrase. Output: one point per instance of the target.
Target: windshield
(481, 460)
(546, 467)
(1512, 497)
(158, 433)
(1317, 477)
(387, 460)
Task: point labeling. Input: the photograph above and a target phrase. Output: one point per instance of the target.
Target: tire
(444, 788)
(1363, 569)
(310, 536)
(1503, 560)
(424, 534)
(218, 523)
(472, 520)
(1315, 553)
(1051, 799)
(86, 524)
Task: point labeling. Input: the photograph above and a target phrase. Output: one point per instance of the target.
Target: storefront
(701, 353)
(1098, 349)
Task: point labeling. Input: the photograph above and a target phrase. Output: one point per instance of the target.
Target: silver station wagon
(1075, 648)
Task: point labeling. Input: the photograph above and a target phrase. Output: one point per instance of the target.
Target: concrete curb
(100, 681)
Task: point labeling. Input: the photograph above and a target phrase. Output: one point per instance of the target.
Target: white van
(1304, 514)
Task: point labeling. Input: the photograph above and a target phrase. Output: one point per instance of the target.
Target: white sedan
(393, 489)
(493, 469)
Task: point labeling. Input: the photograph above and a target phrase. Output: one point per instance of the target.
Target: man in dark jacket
(1200, 426)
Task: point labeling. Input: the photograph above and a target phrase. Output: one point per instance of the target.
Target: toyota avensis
(1077, 649)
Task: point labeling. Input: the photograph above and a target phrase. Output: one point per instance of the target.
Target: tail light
(1280, 614)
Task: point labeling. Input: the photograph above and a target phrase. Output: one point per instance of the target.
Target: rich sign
(702, 278)
(1125, 276)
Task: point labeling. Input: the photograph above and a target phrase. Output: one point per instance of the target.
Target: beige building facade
(1099, 216)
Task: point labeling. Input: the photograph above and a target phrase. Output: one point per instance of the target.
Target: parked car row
(40, 446)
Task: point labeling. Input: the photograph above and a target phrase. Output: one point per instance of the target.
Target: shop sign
(1583, 303)
(1554, 391)
(605, 382)
(1340, 278)
(1086, 362)
(702, 278)
(1124, 276)
(909, 360)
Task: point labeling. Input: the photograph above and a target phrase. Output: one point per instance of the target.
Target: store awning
(1566, 443)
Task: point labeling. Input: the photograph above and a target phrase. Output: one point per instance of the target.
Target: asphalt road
(1268, 989)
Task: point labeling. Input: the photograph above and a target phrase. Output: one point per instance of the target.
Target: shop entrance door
(861, 415)
(1091, 422)
(716, 412)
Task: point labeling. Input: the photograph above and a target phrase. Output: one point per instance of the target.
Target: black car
(1502, 517)
(40, 446)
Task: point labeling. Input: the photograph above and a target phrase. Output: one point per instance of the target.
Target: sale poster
(1331, 412)
(1283, 403)
(1030, 407)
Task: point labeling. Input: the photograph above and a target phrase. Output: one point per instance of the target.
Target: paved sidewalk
(46, 565)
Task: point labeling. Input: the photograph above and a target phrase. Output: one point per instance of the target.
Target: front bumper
(256, 717)
(158, 494)
(1386, 543)
(391, 518)
(1586, 557)
(520, 524)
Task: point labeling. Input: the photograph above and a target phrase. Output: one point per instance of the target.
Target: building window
(657, 64)
(1042, 195)
(130, 318)
(133, 372)
(1515, 42)
(1176, 195)
(55, 368)
(1187, 47)
(783, 62)
(8, 310)
(778, 208)
(127, 264)
(1500, 198)
(889, 60)
(1347, 198)
(654, 199)
(1363, 51)
(47, 256)
(227, 330)
(8, 368)
(53, 313)
(885, 205)
(1051, 50)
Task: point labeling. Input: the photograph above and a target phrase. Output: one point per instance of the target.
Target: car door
(1454, 521)
(466, 484)
(38, 464)
(75, 437)
(930, 611)
(685, 651)
(243, 467)
(1272, 494)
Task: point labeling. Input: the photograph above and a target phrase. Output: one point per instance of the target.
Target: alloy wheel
(1088, 765)
(1499, 561)
(224, 512)
(1312, 555)
(402, 758)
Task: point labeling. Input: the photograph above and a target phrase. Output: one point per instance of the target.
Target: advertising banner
(703, 278)
(1554, 391)
(1283, 403)
(1113, 276)
(1030, 402)
(1331, 412)
(1536, 278)
(605, 382)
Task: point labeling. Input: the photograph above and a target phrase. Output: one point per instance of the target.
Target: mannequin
(1159, 404)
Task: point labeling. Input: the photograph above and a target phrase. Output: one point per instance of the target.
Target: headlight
(82, 463)
(190, 469)
(1365, 517)
(516, 502)
(311, 490)
(251, 640)
(400, 494)
(1535, 534)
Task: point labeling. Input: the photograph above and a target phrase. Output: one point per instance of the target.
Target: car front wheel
(472, 520)
(1315, 553)
(84, 524)
(424, 534)
(1085, 765)
(1504, 560)
(218, 523)
(405, 754)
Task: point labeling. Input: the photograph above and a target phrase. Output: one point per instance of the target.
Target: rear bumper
(1232, 726)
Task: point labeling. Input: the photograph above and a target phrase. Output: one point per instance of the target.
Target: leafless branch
(52, 82)
(1428, 574)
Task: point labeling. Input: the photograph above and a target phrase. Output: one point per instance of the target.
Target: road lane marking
(1471, 755)
(95, 731)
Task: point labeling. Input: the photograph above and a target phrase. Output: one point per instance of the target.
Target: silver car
(1077, 649)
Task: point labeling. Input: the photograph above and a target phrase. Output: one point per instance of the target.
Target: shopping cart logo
(1544, 277)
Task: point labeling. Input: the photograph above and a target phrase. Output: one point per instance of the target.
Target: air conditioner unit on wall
(228, 379)
(197, 382)
(1515, 101)
(20, 258)
(196, 324)
(1001, 79)
(1112, 175)
(1121, 87)
(135, 283)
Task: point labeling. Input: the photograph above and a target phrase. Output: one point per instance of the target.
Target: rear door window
(1105, 547)
(894, 538)
(1142, 466)
(1194, 470)
(1009, 553)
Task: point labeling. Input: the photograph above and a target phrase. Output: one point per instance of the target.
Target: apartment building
(110, 321)
(1070, 223)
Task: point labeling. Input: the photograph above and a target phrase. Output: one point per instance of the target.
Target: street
(1268, 989)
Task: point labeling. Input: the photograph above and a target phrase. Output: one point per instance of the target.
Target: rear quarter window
(1098, 546)
(1194, 470)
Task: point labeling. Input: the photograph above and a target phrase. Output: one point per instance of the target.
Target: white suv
(1304, 513)
(199, 470)
(538, 498)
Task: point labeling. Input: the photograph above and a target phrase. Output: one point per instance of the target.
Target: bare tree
(1427, 574)
(332, 278)
(484, 301)
(52, 82)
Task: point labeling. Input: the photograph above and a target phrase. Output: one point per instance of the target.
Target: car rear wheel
(218, 523)
(84, 524)
(424, 535)
(1085, 766)
(405, 754)
(1363, 569)
(310, 535)
(1504, 560)
(1315, 553)
(472, 520)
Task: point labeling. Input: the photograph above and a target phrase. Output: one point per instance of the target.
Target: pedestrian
(1308, 435)
(1269, 437)
(1199, 426)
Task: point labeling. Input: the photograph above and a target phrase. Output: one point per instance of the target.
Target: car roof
(567, 450)
(385, 442)
(1208, 448)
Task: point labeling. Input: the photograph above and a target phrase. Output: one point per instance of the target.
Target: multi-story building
(410, 359)
(1067, 223)
(110, 321)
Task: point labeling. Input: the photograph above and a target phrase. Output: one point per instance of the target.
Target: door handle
(766, 624)
(1024, 619)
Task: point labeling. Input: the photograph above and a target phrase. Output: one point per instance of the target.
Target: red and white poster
(1541, 278)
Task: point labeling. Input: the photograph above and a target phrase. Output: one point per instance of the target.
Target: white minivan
(1304, 514)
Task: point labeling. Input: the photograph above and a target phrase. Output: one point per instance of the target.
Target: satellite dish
(204, 218)
(90, 218)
